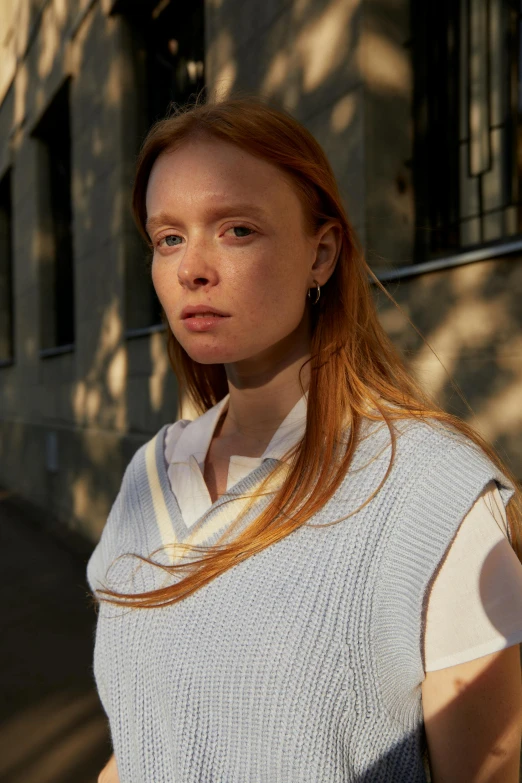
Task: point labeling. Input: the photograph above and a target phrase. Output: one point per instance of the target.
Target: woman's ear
(327, 248)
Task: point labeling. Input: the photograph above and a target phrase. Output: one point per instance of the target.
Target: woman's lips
(202, 323)
(204, 315)
(191, 310)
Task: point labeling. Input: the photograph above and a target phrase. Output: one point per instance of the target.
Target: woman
(325, 576)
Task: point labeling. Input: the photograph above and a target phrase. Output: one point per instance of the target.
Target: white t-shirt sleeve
(475, 603)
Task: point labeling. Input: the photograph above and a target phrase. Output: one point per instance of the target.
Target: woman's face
(228, 232)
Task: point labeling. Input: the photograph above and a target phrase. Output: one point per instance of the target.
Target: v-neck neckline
(252, 478)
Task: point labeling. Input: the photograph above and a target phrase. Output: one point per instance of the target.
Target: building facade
(416, 105)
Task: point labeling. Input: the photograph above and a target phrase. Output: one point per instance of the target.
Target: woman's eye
(171, 240)
(241, 231)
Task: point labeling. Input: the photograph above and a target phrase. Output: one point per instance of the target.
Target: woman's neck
(256, 413)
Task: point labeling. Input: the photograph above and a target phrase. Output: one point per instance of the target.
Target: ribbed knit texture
(302, 664)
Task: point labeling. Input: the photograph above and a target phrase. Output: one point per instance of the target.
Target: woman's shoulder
(408, 437)
(440, 445)
(410, 434)
(431, 456)
(126, 524)
(164, 439)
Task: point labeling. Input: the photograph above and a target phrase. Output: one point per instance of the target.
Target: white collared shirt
(475, 604)
(187, 444)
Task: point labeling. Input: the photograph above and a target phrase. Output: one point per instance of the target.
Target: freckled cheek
(275, 267)
(250, 288)
(267, 294)
(282, 274)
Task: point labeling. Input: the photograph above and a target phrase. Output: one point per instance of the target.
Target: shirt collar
(196, 437)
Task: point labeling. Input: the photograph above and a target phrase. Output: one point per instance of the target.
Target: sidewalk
(52, 726)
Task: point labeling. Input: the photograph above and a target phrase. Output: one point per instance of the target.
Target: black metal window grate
(468, 143)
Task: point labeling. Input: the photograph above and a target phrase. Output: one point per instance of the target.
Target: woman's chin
(204, 348)
(210, 354)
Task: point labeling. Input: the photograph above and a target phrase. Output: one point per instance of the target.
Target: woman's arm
(109, 773)
(473, 719)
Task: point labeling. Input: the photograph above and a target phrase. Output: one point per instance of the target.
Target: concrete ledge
(485, 253)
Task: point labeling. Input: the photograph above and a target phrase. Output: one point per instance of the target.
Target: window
(168, 43)
(56, 244)
(171, 41)
(466, 106)
(6, 272)
(174, 40)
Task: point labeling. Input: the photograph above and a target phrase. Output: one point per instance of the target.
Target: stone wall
(70, 422)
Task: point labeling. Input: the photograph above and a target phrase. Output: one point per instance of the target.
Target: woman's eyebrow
(215, 213)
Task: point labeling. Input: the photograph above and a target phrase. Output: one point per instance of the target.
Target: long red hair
(353, 366)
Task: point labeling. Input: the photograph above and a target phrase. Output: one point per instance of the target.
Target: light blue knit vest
(304, 663)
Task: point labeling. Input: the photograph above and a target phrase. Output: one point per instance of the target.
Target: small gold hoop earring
(317, 292)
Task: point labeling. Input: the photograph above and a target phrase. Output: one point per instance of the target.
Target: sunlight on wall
(225, 81)
(50, 37)
(221, 55)
(104, 383)
(23, 26)
(89, 502)
(117, 372)
(78, 48)
(469, 280)
(111, 331)
(8, 44)
(384, 65)
(60, 10)
(21, 89)
(323, 43)
(160, 368)
(343, 113)
(277, 73)
(475, 336)
(112, 89)
(392, 320)
(469, 328)
(81, 498)
(502, 413)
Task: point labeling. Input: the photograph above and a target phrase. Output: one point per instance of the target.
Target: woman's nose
(196, 268)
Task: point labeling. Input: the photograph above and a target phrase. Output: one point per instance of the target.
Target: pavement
(52, 725)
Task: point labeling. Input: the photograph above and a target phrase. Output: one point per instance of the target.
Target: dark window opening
(175, 55)
(57, 267)
(171, 37)
(466, 109)
(6, 271)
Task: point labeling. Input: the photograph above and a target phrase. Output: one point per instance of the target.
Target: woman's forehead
(212, 171)
(211, 156)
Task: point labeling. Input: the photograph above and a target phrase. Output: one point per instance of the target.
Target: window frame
(438, 113)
